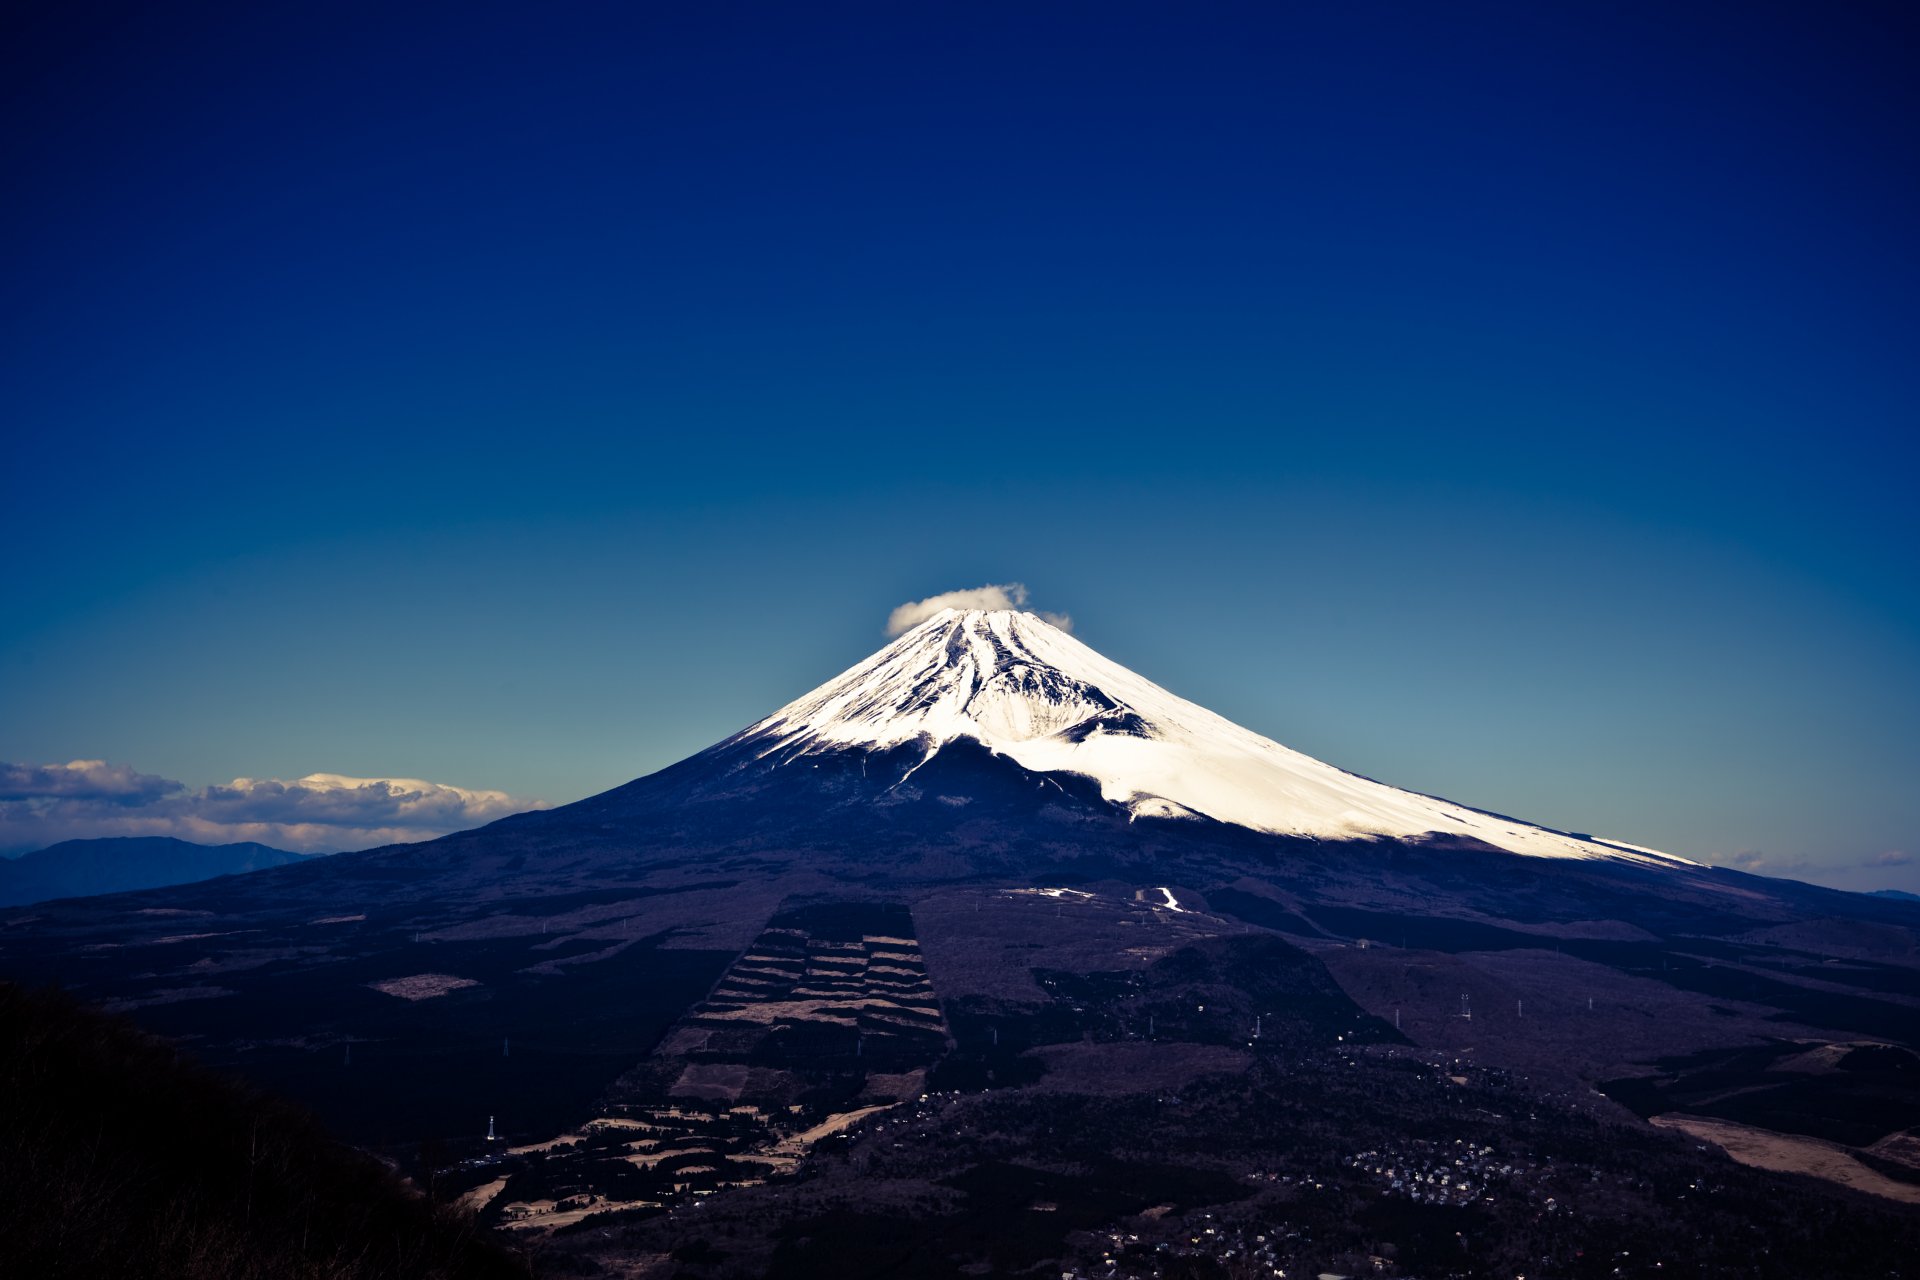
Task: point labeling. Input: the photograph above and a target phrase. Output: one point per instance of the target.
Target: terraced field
(827, 1018)
(837, 987)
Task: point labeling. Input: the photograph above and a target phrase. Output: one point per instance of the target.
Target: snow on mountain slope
(1030, 692)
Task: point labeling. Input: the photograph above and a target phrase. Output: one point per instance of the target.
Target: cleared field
(1790, 1153)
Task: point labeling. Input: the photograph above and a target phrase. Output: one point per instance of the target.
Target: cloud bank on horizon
(1004, 595)
(43, 804)
(1798, 867)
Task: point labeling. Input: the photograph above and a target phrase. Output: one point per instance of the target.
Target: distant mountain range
(117, 864)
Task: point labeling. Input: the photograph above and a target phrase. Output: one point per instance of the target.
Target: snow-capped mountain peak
(1028, 691)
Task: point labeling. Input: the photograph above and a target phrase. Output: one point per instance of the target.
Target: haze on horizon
(512, 403)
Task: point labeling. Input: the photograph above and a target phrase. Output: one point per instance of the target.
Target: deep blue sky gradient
(1513, 402)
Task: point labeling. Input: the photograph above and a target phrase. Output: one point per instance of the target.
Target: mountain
(1032, 694)
(992, 746)
(116, 864)
(990, 939)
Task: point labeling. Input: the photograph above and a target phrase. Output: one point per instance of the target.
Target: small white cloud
(322, 812)
(1005, 595)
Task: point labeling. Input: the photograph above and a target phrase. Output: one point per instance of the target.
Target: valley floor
(713, 1071)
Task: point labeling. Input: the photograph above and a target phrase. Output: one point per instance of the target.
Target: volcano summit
(1031, 693)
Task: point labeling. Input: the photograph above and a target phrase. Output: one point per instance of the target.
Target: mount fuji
(992, 744)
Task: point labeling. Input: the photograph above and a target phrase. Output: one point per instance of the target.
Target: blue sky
(1510, 402)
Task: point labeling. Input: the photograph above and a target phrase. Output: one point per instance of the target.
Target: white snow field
(1032, 693)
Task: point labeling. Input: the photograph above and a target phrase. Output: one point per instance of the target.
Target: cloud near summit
(320, 813)
(1004, 595)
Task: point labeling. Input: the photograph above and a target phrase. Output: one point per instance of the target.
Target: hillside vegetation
(120, 1156)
